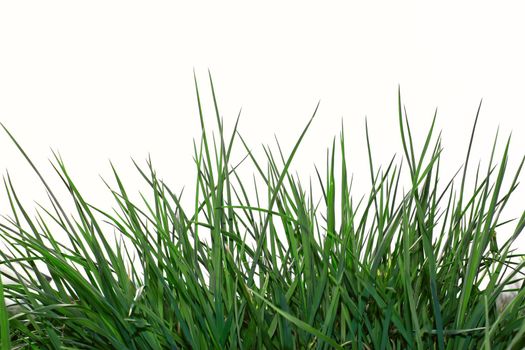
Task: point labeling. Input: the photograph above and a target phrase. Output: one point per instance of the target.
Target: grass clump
(415, 266)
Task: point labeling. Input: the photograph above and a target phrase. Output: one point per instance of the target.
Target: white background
(104, 80)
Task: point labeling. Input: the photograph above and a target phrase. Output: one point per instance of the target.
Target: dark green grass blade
(5, 342)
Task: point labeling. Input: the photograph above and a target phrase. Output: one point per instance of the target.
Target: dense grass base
(414, 266)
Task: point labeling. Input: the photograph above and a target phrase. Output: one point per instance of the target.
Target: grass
(413, 264)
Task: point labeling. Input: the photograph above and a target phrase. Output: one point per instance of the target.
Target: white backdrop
(104, 80)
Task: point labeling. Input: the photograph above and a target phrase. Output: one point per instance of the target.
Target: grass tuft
(416, 263)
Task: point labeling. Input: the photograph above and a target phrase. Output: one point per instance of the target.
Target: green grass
(413, 264)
